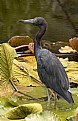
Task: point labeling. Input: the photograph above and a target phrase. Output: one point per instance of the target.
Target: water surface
(59, 27)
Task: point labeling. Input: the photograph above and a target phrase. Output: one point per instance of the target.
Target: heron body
(50, 69)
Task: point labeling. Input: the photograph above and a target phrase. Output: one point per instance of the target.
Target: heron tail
(68, 97)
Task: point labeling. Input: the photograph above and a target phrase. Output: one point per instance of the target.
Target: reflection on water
(59, 28)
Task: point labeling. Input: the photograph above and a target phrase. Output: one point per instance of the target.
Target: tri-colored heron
(50, 69)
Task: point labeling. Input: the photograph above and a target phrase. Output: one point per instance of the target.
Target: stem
(58, 55)
(24, 70)
(55, 100)
(15, 88)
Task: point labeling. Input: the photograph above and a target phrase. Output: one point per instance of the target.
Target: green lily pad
(9, 102)
(6, 60)
(74, 117)
(44, 116)
(22, 111)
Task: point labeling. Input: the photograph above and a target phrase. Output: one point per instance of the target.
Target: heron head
(38, 21)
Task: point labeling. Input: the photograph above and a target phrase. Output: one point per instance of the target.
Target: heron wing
(51, 70)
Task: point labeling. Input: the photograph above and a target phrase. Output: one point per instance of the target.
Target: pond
(62, 18)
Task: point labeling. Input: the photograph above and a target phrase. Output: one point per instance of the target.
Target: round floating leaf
(22, 111)
(66, 49)
(6, 60)
(19, 40)
(7, 54)
(9, 102)
(72, 118)
(72, 71)
(45, 116)
(23, 71)
(64, 62)
(74, 43)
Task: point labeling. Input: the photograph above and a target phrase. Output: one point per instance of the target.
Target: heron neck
(38, 37)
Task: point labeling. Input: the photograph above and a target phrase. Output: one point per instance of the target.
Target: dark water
(62, 22)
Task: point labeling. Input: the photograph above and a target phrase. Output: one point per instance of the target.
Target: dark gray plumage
(50, 69)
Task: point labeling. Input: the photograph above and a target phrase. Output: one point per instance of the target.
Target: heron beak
(30, 21)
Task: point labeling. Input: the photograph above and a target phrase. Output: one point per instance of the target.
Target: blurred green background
(62, 20)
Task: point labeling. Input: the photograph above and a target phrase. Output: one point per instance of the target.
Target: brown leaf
(19, 40)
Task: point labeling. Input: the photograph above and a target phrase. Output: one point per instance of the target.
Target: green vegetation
(22, 75)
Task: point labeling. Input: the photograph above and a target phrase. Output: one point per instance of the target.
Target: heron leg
(55, 100)
(55, 97)
(48, 95)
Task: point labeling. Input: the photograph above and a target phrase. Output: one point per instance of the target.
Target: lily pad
(9, 102)
(74, 117)
(19, 40)
(66, 49)
(44, 116)
(7, 54)
(72, 71)
(24, 72)
(22, 111)
(6, 60)
(74, 43)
